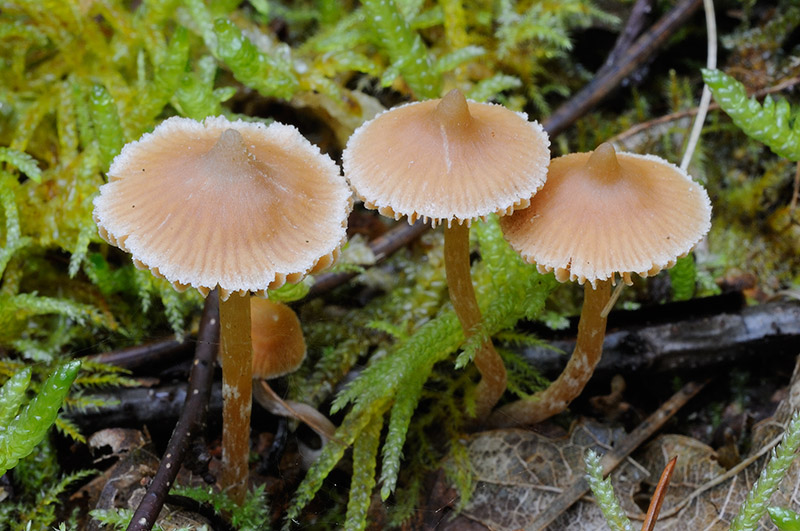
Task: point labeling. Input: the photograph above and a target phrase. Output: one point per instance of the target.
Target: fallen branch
(609, 77)
(400, 235)
(160, 351)
(690, 342)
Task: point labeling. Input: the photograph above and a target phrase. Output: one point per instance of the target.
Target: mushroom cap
(604, 213)
(238, 205)
(278, 344)
(447, 160)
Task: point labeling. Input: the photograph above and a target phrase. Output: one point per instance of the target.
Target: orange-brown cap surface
(447, 160)
(278, 344)
(237, 205)
(604, 213)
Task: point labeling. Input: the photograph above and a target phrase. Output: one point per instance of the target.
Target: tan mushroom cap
(604, 213)
(447, 160)
(278, 344)
(237, 205)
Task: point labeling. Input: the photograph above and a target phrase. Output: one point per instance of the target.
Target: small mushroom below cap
(278, 344)
(279, 349)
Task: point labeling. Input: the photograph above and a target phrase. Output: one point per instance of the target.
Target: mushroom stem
(462, 294)
(588, 349)
(273, 403)
(236, 355)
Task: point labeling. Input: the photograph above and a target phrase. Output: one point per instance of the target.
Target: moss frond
(399, 421)
(604, 494)
(20, 436)
(405, 48)
(776, 124)
(44, 508)
(757, 500)
(785, 519)
(351, 428)
(22, 161)
(169, 72)
(12, 393)
(266, 71)
(252, 514)
(489, 88)
(15, 310)
(683, 278)
(105, 121)
(365, 453)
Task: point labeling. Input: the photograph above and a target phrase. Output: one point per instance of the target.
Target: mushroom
(451, 161)
(278, 344)
(599, 215)
(279, 349)
(234, 206)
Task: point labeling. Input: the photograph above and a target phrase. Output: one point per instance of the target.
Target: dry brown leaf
(518, 473)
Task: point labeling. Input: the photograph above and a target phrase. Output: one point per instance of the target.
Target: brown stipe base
(588, 349)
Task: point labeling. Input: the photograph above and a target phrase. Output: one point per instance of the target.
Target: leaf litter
(519, 473)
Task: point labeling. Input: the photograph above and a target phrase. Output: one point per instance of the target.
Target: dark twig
(610, 461)
(397, 237)
(603, 84)
(191, 417)
(272, 457)
(672, 117)
(633, 28)
(144, 355)
(682, 343)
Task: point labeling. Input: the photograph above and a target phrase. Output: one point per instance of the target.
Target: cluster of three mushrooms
(243, 208)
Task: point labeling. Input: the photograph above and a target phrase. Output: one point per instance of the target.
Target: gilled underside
(244, 208)
(637, 218)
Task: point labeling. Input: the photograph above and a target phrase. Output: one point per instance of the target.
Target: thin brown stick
(633, 28)
(383, 246)
(602, 85)
(192, 417)
(163, 350)
(612, 459)
(658, 496)
(674, 116)
(796, 189)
